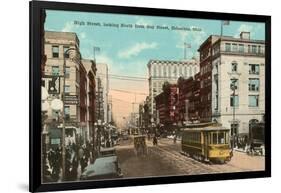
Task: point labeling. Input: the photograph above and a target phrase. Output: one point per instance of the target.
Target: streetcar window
(226, 137)
(210, 138)
(215, 138)
(221, 139)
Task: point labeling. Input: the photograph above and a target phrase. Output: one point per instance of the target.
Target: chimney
(245, 35)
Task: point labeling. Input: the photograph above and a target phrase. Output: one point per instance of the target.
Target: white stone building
(160, 71)
(238, 67)
(56, 43)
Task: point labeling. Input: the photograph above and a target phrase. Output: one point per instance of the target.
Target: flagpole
(221, 28)
(184, 54)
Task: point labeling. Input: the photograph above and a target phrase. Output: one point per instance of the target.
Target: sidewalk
(247, 162)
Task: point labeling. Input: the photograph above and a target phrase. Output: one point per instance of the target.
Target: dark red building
(188, 99)
(83, 94)
(205, 51)
(166, 104)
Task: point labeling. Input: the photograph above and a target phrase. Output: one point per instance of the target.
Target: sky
(127, 51)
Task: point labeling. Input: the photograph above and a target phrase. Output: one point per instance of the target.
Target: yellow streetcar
(207, 142)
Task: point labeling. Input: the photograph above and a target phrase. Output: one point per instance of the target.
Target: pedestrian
(154, 140)
(74, 166)
(80, 153)
(83, 163)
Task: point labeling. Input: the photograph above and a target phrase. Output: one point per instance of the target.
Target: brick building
(166, 104)
(90, 67)
(188, 100)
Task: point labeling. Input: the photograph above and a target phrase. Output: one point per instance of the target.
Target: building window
(169, 71)
(67, 72)
(160, 71)
(254, 49)
(234, 129)
(165, 71)
(234, 100)
(55, 51)
(185, 71)
(55, 70)
(233, 84)
(254, 69)
(65, 48)
(234, 67)
(228, 47)
(253, 100)
(154, 70)
(241, 48)
(194, 71)
(254, 84)
(67, 112)
(234, 48)
(175, 71)
(66, 88)
(259, 49)
(180, 70)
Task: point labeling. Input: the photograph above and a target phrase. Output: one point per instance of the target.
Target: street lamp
(233, 88)
(56, 105)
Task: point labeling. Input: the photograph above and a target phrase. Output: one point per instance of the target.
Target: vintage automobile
(207, 142)
(110, 151)
(102, 168)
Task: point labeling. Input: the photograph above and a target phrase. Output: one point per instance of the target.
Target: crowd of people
(76, 157)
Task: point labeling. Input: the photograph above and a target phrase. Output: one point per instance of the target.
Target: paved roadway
(166, 159)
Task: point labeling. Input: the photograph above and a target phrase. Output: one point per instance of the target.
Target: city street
(166, 159)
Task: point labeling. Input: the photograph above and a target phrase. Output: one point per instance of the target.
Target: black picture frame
(36, 7)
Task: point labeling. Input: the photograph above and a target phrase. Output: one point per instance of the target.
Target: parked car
(104, 152)
(102, 168)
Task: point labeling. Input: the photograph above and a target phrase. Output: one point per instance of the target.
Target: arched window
(160, 71)
(169, 71)
(154, 70)
(180, 70)
(175, 71)
(165, 71)
(234, 66)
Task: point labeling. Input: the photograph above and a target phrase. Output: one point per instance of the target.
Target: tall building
(99, 100)
(102, 74)
(56, 43)
(109, 110)
(90, 67)
(236, 81)
(161, 71)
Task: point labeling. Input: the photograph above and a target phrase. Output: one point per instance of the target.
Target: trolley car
(207, 142)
